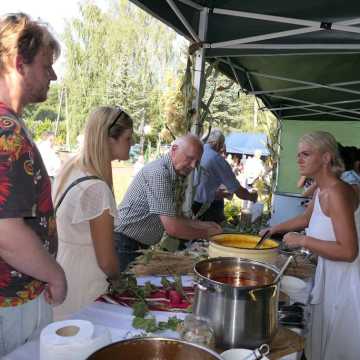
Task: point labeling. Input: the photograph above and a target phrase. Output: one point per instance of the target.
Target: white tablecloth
(115, 317)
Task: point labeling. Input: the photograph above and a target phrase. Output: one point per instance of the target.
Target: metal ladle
(282, 270)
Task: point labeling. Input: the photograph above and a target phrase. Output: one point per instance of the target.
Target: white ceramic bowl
(240, 354)
(292, 285)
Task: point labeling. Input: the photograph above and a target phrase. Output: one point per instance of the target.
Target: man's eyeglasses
(121, 111)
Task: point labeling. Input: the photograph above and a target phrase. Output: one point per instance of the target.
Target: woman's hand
(294, 239)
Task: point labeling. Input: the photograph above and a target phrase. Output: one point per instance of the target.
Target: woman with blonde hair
(332, 222)
(85, 208)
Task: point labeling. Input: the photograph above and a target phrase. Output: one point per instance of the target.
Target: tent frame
(284, 107)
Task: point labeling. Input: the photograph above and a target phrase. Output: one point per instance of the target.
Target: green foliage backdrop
(123, 56)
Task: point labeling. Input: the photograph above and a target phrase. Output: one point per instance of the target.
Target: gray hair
(188, 139)
(216, 138)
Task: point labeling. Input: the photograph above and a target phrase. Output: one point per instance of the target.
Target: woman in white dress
(85, 215)
(332, 220)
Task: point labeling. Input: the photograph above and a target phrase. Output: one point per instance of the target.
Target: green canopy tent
(301, 58)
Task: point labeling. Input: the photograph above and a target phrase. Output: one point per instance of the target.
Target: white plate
(240, 354)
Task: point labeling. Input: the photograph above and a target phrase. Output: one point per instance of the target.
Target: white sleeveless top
(321, 227)
(335, 298)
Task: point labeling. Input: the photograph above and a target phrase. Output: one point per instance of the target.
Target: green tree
(118, 56)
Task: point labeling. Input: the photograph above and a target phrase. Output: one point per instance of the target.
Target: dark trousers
(214, 213)
(127, 249)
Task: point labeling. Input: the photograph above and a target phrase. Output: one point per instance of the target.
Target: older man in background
(30, 277)
(151, 204)
(215, 171)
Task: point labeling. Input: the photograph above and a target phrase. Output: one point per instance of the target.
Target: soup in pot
(242, 279)
(243, 241)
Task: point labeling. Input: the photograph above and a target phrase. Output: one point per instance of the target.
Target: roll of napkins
(72, 339)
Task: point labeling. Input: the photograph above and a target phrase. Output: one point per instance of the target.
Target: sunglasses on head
(121, 111)
(14, 17)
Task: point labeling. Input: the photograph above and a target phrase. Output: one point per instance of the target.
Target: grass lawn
(122, 177)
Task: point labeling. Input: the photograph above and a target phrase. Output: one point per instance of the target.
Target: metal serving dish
(154, 348)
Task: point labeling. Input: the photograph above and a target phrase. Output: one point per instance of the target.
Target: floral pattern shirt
(25, 192)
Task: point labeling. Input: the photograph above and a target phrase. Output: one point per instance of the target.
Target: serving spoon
(262, 239)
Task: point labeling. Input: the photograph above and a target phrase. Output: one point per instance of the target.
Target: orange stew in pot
(241, 280)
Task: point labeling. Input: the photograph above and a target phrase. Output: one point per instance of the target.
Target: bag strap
(75, 182)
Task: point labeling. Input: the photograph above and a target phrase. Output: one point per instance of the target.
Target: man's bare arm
(189, 229)
(21, 248)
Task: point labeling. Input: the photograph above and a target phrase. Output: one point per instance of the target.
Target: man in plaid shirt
(150, 205)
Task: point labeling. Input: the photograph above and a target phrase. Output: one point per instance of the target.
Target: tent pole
(199, 87)
(313, 112)
(183, 20)
(316, 104)
(199, 71)
(193, 4)
(309, 106)
(310, 83)
(323, 53)
(251, 39)
(299, 88)
(290, 46)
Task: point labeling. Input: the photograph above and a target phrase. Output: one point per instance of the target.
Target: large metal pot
(239, 299)
(151, 348)
(243, 246)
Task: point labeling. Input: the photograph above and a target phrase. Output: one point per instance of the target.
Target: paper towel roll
(72, 339)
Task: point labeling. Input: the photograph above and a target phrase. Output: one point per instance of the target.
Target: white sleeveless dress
(335, 299)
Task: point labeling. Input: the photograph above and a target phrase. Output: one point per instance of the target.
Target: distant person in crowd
(237, 166)
(332, 223)
(85, 208)
(351, 158)
(31, 280)
(51, 159)
(215, 171)
(308, 185)
(254, 168)
(151, 203)
(228, 158)
(138, 164)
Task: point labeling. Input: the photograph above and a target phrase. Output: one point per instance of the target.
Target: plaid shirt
(151, 194)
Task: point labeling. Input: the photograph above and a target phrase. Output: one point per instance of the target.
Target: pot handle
(252, 292)
(202, 287)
